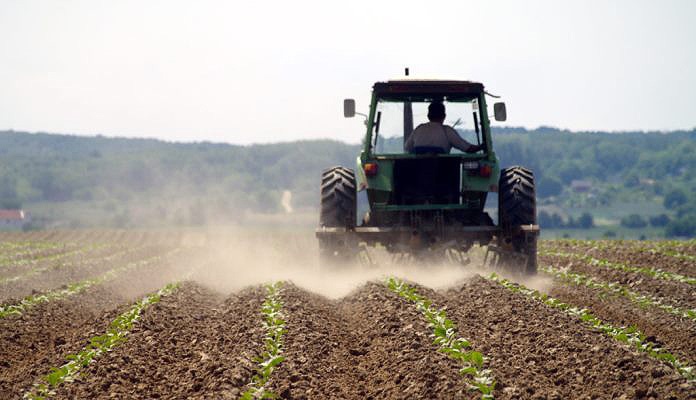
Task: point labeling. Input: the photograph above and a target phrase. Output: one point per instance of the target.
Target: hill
(98, 181)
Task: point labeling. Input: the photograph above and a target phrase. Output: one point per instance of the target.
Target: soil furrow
(538, 352)
(64, 274)
(680, 294)
(10, 256)
(40, 338)
(189, 345)
(74, 255)
(678, 335)
(371, 344)
(32, 343)
(636, 256)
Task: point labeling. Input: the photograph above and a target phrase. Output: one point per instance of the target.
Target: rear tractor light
(370, 169)
(485, 170)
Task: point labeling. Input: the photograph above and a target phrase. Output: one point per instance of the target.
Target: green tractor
(428, 204)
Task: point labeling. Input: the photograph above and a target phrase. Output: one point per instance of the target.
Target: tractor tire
(338, 210)
(516, 207)
(338, 198)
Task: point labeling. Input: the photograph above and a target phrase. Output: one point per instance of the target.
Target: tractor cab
(398, 180)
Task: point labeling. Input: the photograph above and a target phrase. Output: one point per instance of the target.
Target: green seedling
(271, 356)
(629, 335)
(651, 272)
(617, 289)
(11, 256)
(666, 247)
(53, 257)
(38, 270)
(73, 288)
(444, 333)
(115, 335)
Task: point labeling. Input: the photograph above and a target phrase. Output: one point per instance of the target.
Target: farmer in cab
(435, 136)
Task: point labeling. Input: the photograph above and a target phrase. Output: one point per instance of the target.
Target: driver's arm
(459, 143)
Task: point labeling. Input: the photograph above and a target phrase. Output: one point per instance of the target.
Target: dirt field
(101, 300)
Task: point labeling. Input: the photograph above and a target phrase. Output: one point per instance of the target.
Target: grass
(115, 335)
(271, 357)
(445, 338)
(628, 335)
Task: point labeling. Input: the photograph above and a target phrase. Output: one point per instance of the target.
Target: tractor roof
(425, 89)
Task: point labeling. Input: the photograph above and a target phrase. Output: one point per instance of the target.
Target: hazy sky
(245, 72)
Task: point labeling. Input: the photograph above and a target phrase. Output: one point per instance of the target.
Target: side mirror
(499, 111)
(349, 108)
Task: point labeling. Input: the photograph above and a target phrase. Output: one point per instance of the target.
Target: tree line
(126, 177)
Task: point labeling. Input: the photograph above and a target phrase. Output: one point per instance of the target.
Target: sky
(260, 72)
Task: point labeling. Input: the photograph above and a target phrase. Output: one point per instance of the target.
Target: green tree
(549, 186)
(683, 227)
(659, 220)
(675, 198)
(633, 221)
(586, 221)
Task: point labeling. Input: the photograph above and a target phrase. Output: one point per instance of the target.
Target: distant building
(580, 186)
(13, 219)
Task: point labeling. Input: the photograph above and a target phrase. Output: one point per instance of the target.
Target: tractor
(428, 204)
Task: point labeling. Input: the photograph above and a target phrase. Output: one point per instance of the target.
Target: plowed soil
(538, 352)
(367, 343)
(635, 256)
(679, 293)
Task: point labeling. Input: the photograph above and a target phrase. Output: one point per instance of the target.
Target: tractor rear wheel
(517, 207)
(338, 210)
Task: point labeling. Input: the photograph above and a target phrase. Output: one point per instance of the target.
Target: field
(235, 314)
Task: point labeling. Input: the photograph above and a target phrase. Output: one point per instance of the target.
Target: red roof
(12, 214)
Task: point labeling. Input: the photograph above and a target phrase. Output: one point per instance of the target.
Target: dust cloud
(232, 259)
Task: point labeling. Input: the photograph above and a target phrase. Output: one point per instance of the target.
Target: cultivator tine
(365, 256)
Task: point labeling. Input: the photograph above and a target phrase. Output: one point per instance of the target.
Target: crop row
(629, 335)
(618, 289)
(25, 244)
(15, 255)
(668, 248)
(115, 335)
(271, 356)
(50, 257)
(652, 272)
(445, 337)
(71, 289)
(38, 270)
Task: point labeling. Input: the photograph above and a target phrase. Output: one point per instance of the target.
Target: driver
(435, 136)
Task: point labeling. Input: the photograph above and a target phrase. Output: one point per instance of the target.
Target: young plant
(71, 289)
(664, 247)
(651, 272)
(50, 266)
(115, 335)
(271, 356)
(617, 289)
(445, 338)
(629, 335)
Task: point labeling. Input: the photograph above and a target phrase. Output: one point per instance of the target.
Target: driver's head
(436, 112)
